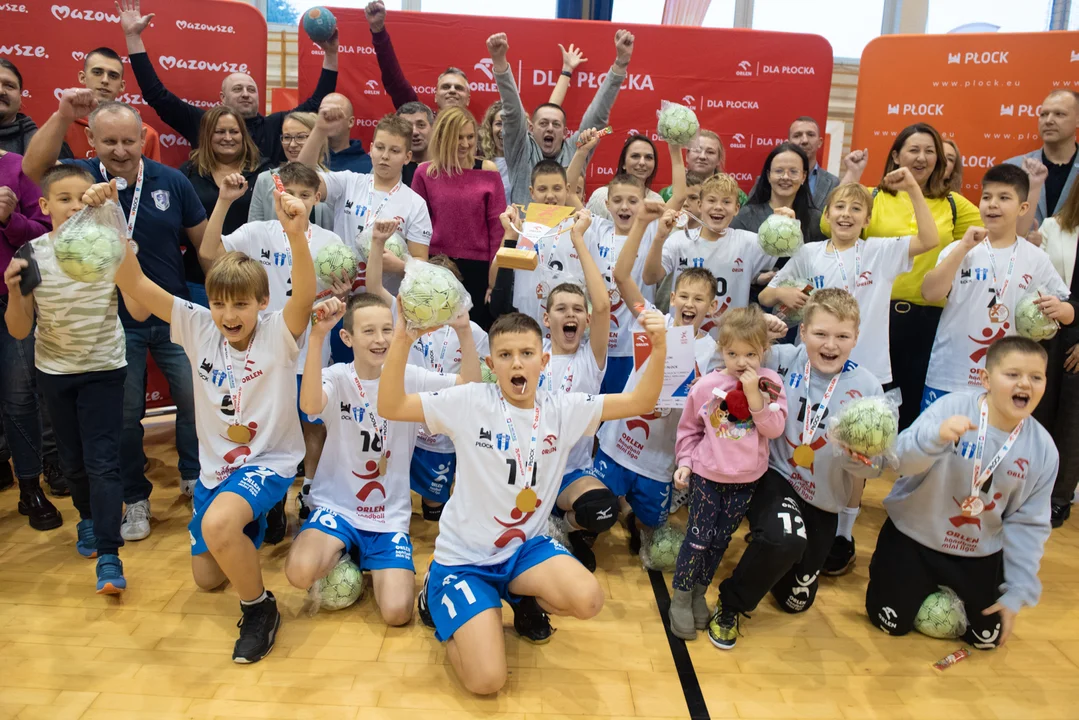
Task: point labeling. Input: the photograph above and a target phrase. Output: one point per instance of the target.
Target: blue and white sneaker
(110, 575)
(86, 543)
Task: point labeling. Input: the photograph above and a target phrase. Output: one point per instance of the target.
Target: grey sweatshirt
(521, 149)
(936, 478)
(825, 485)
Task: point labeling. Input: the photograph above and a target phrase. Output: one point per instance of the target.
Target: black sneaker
(55, 479)
(1059, 514)
(7, 477)
(258, 629)
(421, 604)
(432, 513)
(840, 559)
(303, 510)
(723, 629)
(581, 542)
(531, 622)
(634, 533)
(276, 523)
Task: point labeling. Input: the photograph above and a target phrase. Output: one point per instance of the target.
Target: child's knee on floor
(396, 610)
(207, 574)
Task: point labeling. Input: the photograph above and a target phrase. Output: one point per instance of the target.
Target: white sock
(257, 600)
(847, 516)
(306, 487)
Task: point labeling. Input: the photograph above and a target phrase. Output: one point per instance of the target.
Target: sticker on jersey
(161, 199)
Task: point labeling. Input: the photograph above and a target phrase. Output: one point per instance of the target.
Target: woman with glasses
(224, 148)
(294, 133)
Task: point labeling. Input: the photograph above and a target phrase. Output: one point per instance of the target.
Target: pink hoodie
(716, 446)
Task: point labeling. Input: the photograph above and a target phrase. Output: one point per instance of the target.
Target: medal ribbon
(524, 468)
(288, 245)
(843, 270)
(381, 205)
(382, 433)
(565, 377)
(440, 364)
(993, 268)
(134, 211)
(979, 477)
(813, 419)
(236, 389)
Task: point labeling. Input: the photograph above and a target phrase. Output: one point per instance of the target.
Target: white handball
(334, 260)
(677, 124)
(395, 244)
(431, 295)
(780, 236)
(1031, 322)
(942, 616)
(867, 426)
(89, 252)
(342, 587)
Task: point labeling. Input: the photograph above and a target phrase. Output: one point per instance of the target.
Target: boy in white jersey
(512, 442)
(864, 268)
(733, 256)
(243, 368)
(358, 199)
(81, 366)
(794, 510)
(360, 495)
(984, 275)
(971, 508)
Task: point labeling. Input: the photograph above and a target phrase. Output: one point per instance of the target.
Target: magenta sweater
(26, 222)
(717, 447)
(464, 212)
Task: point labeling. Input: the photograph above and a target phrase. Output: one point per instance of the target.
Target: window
(543, 9)
(650, 12)
(1008, 15)
(848, 25)
(720, 14)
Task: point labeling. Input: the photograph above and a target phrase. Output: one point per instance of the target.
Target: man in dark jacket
(16, 129)
(238, 90)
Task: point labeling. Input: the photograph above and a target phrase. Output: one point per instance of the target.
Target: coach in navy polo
(165, 205)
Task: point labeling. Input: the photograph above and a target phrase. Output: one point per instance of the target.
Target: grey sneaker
(187, 486)
(136, 523)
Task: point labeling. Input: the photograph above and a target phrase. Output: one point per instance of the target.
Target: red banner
(194, 44)
(982, 90)
(746, 85)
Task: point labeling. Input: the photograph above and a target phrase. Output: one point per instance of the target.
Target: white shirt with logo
(266, 374)
(558, 263)
(440, 352)
(574, 373)
(882, 261)
(605, 247)
(347, 480)
(736, 259)
(481, 523)
(968, 325)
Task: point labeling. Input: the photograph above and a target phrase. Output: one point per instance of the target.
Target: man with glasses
(238, 90)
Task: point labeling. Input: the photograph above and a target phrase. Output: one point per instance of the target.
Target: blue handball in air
(319, 24)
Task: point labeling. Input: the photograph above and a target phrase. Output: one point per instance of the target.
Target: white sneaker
(187, 487)
(136, 523)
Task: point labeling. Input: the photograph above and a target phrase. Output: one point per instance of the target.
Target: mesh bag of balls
(1030, 321)
(677, 124)
(395, 244)
(863, 433)
(91, 245)
(659, 547)
(431, 296)
(335, 262)
(780, 236)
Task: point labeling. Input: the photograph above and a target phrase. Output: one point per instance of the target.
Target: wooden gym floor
(163, 650)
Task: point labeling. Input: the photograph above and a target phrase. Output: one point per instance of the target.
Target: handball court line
(683, 663)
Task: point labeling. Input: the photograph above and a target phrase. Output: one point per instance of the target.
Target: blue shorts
(650, 499)
(260, 487)
(458, 593)
(573, 476)
(930, 396)
(614, 379)
(376, 550)
(432, 474)
(304, 417)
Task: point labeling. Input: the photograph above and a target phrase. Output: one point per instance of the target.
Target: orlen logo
(345, 50)
(738, 140)
(372, 88)
(1031, 111)
(168, 62)
(920, 109)
(11, 7)
(690, 101)
(185, 25)
(979, 161)
(487, 67)
(745, 69)
(995, 57)
(63, 12)
(169, 140)
(36, 51)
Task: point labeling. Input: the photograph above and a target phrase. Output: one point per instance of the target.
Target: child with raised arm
(360, 495)
(243, 368)
(721, 452)
(513, 441)
(971, 508)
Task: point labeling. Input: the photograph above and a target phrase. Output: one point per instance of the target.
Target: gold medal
(803, 456)
(239, 434)
(972, 506)
(527, 500)
(382, 465)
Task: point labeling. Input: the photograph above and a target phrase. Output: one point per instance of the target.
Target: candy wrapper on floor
(863, 434)
(1030, 321)
(942, 615)
(780, 236)
(659, 548)
(431, 296)
(677, 124)
(396, 244)
(90, 246)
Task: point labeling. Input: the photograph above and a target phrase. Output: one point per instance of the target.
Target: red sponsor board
(982, 90)
(746, 85)
(193, 44)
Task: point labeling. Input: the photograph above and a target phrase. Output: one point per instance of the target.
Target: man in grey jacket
(547, 139)
(1057, 122)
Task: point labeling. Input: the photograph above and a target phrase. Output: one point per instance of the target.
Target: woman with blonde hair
(953, 172)
(295, 130)
(465, 196)
(491, 139)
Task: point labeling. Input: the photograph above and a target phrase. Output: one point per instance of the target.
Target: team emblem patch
(161, 199)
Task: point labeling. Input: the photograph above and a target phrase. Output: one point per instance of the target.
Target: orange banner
(982, 90)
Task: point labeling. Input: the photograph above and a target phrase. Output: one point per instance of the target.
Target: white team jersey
(440, 352)
(605, 247)
(558, 263)
(645, 444)
(347, 480)
(736, 259)
(481, 523)
(265, 375)
(574, 373)
(872, 266)
(969, 325)
(354, 201)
